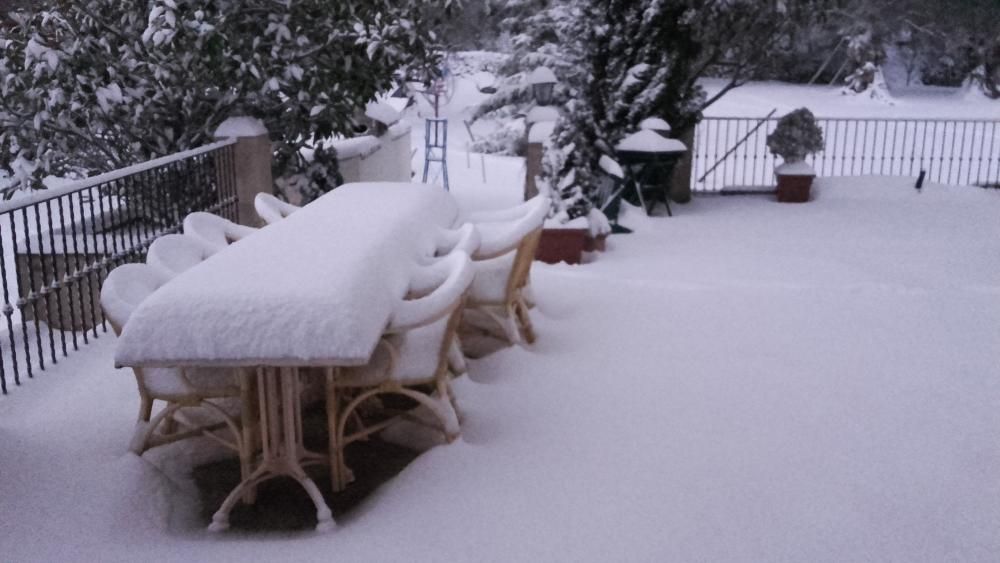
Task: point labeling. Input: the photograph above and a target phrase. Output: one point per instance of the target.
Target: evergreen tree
(644, 58)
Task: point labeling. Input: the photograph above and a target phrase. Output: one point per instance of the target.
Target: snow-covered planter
(563, 241)
(796, 136)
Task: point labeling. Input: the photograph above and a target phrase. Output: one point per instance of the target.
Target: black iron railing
(58, 245)
(732, 151)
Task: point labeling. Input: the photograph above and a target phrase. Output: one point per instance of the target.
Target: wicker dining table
(315, 290)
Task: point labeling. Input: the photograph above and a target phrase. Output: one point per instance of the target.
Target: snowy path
(705, 391)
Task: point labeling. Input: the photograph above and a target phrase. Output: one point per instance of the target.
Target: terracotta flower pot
(561, 245)
(794, 188)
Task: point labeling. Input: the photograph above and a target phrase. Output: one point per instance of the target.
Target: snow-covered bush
(98, 84)
(796, 136)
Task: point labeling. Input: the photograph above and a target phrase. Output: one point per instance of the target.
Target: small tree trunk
(680, 187)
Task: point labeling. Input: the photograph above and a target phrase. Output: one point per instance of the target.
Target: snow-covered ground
(756, 99)
(745, 381)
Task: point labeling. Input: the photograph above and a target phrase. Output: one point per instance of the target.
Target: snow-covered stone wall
(376, 159)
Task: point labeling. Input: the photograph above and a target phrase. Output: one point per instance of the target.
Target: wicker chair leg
(525, 328)
(145, 409)
(169, 426)
(143, 439)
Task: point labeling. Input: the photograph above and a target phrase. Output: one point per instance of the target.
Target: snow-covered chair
(213, 231)
(272, 209)
(172, 254)
(204, 389)
(509, 239)
(415, 358)
(465, 238)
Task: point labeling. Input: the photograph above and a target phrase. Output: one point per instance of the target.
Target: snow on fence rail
(952, 151)
(58, 245)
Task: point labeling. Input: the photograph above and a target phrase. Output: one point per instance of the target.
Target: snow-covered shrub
(98, 84)
(796, 136)
(508, 139)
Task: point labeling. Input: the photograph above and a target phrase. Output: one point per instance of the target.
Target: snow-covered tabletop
(316, 288)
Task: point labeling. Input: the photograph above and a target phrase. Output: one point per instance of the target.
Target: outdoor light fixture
(543, 82)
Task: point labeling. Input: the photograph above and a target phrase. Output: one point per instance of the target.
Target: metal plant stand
(436, 147)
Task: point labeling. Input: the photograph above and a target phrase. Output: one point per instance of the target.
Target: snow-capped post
(542, 81)
(252, 156)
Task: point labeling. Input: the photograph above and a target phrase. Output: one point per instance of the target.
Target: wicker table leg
(282, 450)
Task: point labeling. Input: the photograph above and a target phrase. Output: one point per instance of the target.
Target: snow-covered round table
(316, 289)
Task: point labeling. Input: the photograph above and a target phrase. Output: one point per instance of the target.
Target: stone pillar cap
(241, 126)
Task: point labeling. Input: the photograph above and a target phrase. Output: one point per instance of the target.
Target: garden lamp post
(539, 124)
(543, 83)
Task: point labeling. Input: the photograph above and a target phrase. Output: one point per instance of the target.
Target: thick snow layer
(655, 124)
(382, 112)
(560, 223)
(744, 381)
(646, 140)
(800, 168)
(756, 99)
(541, 130)
(542, 114)
(240, 127)
(355, 146)
(318, 286)
(610, 166)
(171, 255)
(504, 235)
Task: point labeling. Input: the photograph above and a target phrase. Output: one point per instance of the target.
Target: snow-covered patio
(745, 381)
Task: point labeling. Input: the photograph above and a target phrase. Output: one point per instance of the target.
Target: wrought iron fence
(58, 245)
(732, 151)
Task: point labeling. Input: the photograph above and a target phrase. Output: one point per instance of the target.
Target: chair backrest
(523, 260)
(439, 288)
(124, 289)
(271, 209)
(507, 213)
(500, 237)
(213, 231)
(465, 238)
(172, 254)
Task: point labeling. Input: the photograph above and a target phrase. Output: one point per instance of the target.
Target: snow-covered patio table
(316, 289)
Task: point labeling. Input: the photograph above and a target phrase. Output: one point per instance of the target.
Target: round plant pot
(561, 245)
(794, 188)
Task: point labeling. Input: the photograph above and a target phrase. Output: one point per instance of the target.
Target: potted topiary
(795, 137)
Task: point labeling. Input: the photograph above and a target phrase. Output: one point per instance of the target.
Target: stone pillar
(680, 190)
(252, 161)
(540, 123)
(533, 165)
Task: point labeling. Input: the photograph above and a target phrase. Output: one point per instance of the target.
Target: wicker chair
(272, 209)
(213, 231)
(503, 264)
(415, 359)
(172, 254)
(204, 389)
